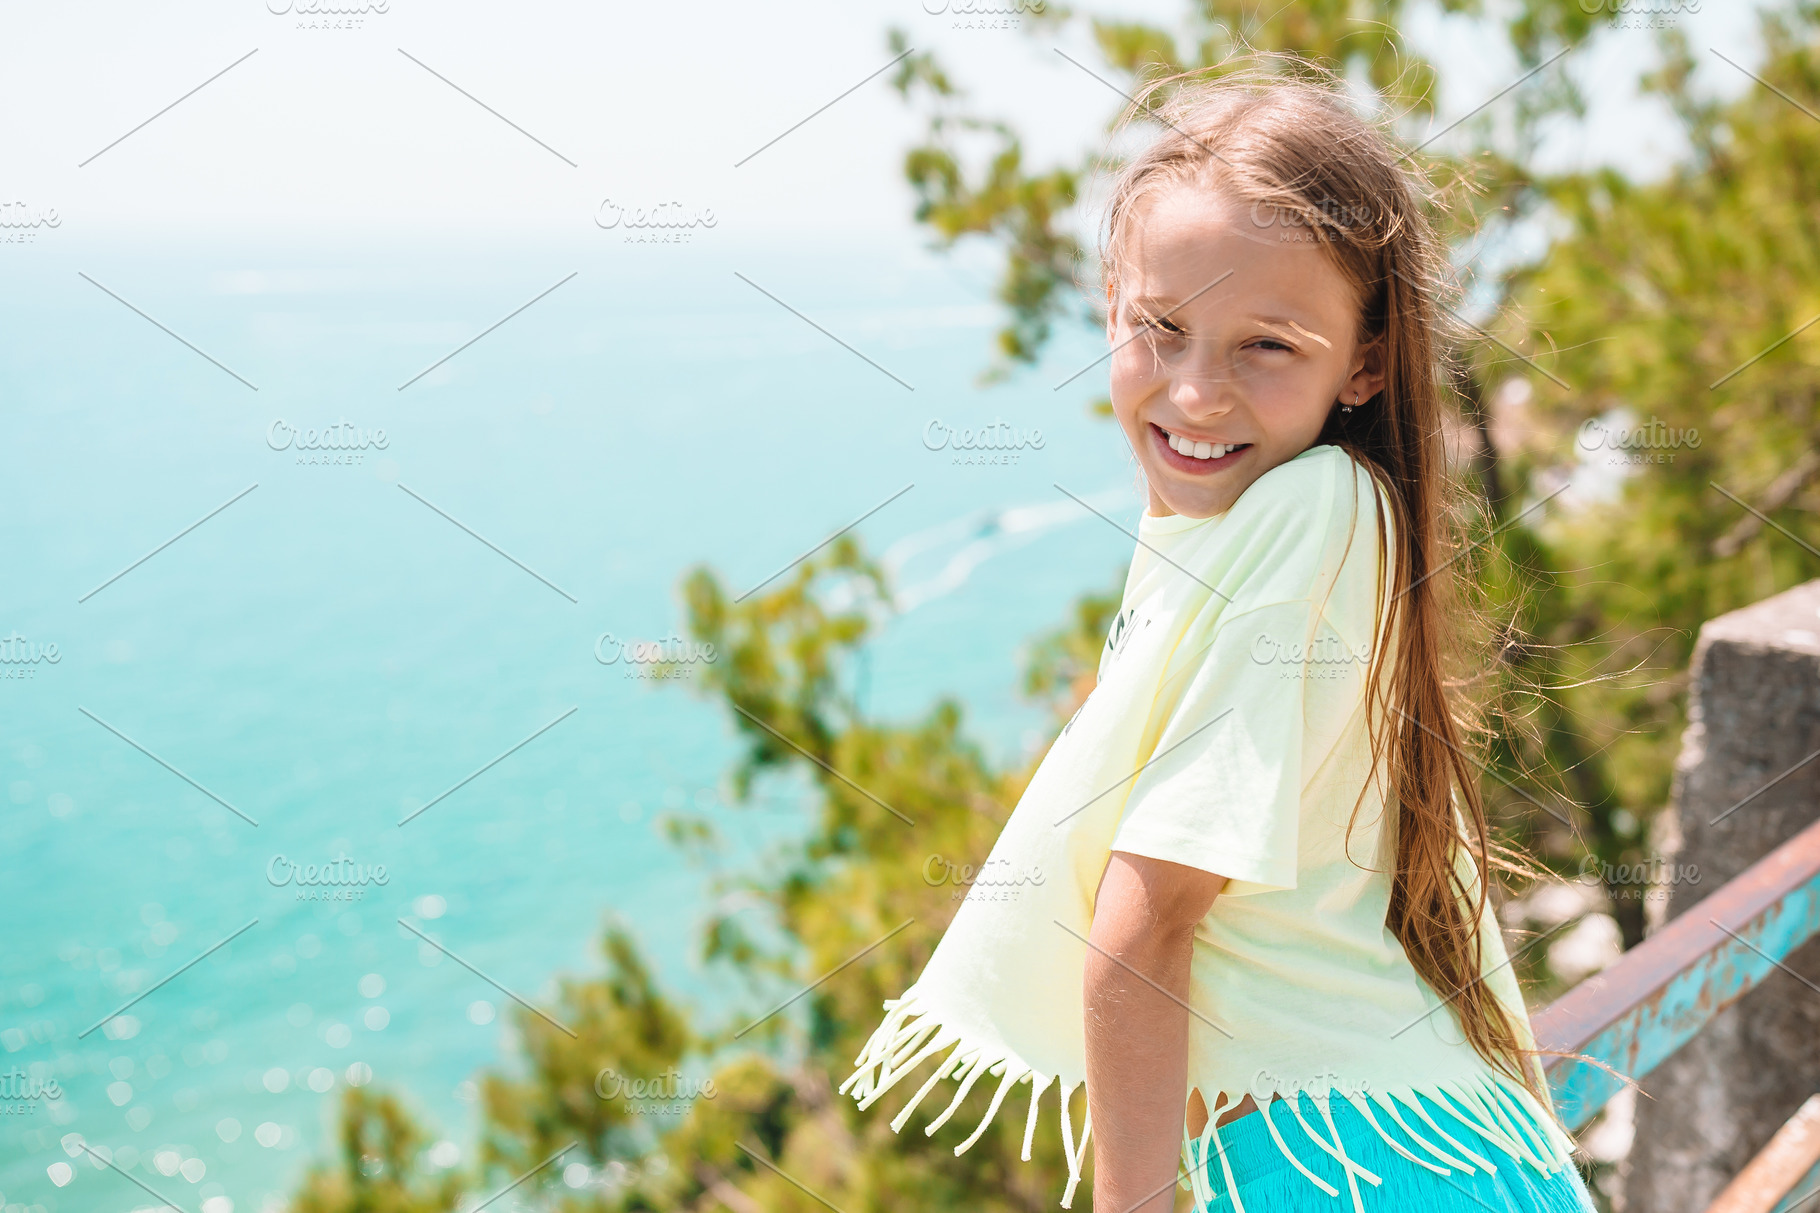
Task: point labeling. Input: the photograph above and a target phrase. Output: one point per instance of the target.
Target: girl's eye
(1269, 343)
(1160, 324)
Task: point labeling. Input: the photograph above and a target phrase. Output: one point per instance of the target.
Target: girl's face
(1250, 367)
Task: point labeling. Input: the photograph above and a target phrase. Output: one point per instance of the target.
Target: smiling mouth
(1196, 454)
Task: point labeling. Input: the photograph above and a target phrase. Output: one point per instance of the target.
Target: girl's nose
(1199, 386)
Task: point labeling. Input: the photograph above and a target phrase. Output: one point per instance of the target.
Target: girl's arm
(1137, 1038)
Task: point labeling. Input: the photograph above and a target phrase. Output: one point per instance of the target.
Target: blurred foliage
(1672, 303)
(1649, 298)
(382, 1168)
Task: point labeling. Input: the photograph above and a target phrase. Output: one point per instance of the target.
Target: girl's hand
(1137, 1036)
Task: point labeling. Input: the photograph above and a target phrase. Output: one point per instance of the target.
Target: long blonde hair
(1291, 146)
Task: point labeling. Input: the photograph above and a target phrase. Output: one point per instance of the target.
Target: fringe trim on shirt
(910, 1035)
(1488, 1105)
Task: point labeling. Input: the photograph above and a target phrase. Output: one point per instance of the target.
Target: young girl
(1261, 937)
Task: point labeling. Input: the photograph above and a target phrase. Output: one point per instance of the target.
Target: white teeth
(1199, 450)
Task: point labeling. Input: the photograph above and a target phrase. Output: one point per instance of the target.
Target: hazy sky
(337, 129)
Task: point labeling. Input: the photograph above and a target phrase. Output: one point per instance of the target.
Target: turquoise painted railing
(1661, 993)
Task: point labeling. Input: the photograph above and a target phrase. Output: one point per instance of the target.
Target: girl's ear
(1368, 373)
(1112, 318)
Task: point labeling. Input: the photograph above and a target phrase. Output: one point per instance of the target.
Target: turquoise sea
(330, 651)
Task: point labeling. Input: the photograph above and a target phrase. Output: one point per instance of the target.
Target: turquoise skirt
(1267, 1182)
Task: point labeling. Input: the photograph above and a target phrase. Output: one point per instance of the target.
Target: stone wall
(1754, 713)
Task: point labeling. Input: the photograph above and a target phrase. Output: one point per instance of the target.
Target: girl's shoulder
(1324, 487)
(1306, 536)
(1298, 523)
